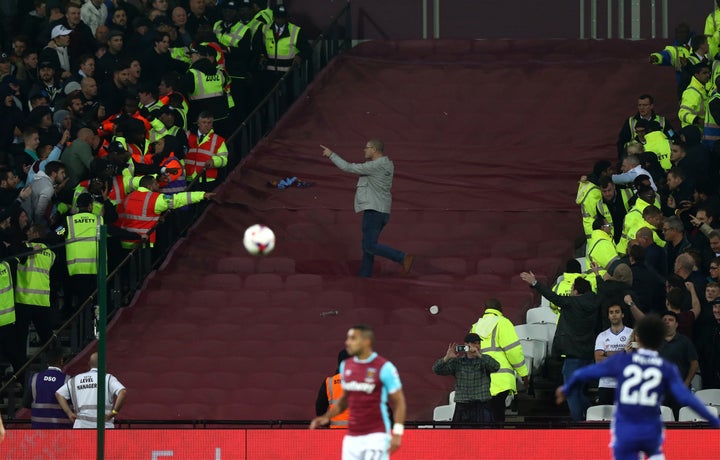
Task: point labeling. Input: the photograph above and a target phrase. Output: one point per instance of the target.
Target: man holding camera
(472, 379)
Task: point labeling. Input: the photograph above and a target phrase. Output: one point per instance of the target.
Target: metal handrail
(637, 12)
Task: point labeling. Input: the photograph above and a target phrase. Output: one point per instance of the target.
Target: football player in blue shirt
(643, 379)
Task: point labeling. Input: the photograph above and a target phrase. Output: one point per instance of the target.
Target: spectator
(646, 111)
(81, 391)
(197, 16)
(693, 163)
(179, 19)
(674, 234)
(655, 256)
(46, 154)
(48, 85)
(611, 290)
(8, 187)
(86, 68)
(112, 92)
(119, 20)
(57, 52)
(631, 168)
(35, 21)
(94, 13)
(78, 157)
(685, 269)
(709, 348)
(374, 200)
(45, 185)
(157, 60)
(89, 92)
(39, 397)
(494, 328)
(81, 38)
(614, 205)
(680, 351)
(575, 334)
(675, 302)
(329, 394)
(41, 119)
(647, 284)
(714, 268)
(32, 291)
(610, 342)
(109, 61)
(714, 239)
(694, 98)
(472, 380)
(680, 199)
(712, 291)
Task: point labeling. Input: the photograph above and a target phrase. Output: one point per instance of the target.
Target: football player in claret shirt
(643, 379)
(368, 381)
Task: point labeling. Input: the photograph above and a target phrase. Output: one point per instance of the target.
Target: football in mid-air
(259, 240)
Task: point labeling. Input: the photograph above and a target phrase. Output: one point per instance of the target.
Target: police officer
(281, 45)
(330, 393)
(261, 16)
(205, 84)
(81, 391)
(45, 412)
(234, 34)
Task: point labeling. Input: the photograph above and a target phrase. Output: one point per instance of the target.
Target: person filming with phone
(472, 371)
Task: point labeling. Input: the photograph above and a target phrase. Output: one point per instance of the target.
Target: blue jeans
(372, 224)
(577, 401)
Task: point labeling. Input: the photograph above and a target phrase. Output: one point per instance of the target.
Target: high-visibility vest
(81, 249)
(692, 103)
(172, 183)
(600, 249)
(140, 155)
(33, 277)
(7, 296)
(564, 287)
(658, 143)
(260, 20)
(230, 36)
(632, 122)
(634, 221)
(500, 341)
(183, 109)
(677, 53)
(138, 213)
(711, 130)
(200, 153)
(333, 387)
(588, 196)
(159, 131)
(180, 53)
(207, 86)
(45, 412)
(280, 53)
(107, 127)
(602, 209)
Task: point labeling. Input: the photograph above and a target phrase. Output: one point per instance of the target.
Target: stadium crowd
(115, 111)
(652, 228)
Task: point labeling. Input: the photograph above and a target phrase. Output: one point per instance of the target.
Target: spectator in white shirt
(631, 168)
(609, 342)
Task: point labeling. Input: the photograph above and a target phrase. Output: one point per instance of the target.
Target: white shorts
(373, 446)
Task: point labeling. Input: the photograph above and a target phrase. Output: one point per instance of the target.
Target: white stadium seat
(667, 414)
(537, 331)
(444, 413)
(583, 264)
(710, 397)
(535, 349)
(601, 413)
(452, 397)
(696, 383)
(541, 315)
(689, 415)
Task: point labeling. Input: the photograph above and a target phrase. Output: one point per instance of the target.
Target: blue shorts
(629, 443)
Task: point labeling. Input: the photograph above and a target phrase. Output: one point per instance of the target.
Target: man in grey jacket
(373, 199)
(43, 190)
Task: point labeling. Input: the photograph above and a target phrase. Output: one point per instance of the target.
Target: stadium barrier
(326, 444)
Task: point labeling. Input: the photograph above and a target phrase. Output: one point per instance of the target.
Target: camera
(461, 348)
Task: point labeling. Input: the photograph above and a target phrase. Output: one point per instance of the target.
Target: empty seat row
(604, 413)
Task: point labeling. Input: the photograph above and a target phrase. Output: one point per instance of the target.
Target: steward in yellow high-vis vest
(614, 206)
(281, 43)
(32, 290)
(588, 196)
(500, 341)
(9, 345)
(694, 98)
(204, 83)
(600, 247)
(642, 214)
(711, 129)
(261, 16)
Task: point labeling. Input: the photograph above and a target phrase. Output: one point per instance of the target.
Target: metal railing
(614, 11)
(127, 275)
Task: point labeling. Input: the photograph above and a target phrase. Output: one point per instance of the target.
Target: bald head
(85, 134)
(93, 361)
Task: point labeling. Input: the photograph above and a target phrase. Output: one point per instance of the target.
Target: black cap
(230, 5)
(4, 57)
(45, 65)
(279, 11)
(472, 338)
(671, 313)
